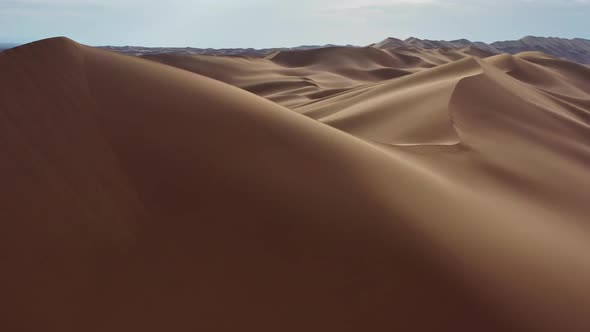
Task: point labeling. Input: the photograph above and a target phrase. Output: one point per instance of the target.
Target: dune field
(332, 189)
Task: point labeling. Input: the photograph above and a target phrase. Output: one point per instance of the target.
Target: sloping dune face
(141, 197)
(295, 78)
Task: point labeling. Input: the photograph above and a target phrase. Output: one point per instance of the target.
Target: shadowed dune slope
(138, 196)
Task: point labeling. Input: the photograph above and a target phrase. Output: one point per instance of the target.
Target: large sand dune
(372, 190)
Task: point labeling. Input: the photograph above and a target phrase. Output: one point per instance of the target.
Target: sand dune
(370, 191)
(294, 78)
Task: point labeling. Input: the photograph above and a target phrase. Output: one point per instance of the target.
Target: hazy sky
(274, 23)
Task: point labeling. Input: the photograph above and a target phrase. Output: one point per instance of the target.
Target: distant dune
(333, 189)
(296, 78)
(576, 49)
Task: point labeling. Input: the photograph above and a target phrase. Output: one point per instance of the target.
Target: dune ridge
(142, 196)
(294, 78)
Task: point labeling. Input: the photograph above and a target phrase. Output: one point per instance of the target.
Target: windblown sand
(337, 189)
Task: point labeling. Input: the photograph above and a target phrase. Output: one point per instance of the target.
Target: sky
(283, 23)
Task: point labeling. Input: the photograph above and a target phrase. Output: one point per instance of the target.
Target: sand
(326, 190)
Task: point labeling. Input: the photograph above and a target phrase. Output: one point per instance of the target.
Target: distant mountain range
(576, 49)
(140, 50)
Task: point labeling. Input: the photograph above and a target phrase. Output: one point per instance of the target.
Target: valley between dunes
(333, 189)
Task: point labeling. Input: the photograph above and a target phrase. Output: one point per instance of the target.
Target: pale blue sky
(268, 23)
